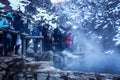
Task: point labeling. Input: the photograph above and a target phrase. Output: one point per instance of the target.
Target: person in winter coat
(8, 42)
(3, 24)
(19, 26)
(45, 34)
(68, 40)
(50, 39)
(35, 32)
(57, 38)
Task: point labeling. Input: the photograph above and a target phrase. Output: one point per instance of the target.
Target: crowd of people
(53, 39)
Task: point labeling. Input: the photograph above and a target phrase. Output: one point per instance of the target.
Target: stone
(1, 77)
(76, 78)
(48, 69)
(8, 59)
(2, 72)
(65, 75)
(55, 77)
(58, 61)
(42, 77)
(30, 51)
(47, 56)
(36, 65)
(30, 59)
(3, 65)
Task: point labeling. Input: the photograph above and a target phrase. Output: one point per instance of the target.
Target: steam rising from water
(95, 63)
(90, 57)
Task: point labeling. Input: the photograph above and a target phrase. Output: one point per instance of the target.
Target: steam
(96, 63)
(89, 56)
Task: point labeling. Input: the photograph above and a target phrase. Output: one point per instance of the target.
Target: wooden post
(32, 37)
(24, 46)
(41, 46)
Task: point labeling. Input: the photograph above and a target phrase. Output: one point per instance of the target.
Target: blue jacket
(36, 31)
(3, 23)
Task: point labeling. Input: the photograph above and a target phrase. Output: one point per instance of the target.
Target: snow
(100, 37)
(70, 55)
(48, 17)
(105, 26)
(15, 4)
(2, 5)
(58, 1)
(109, 52)
(75, 27)
(51, 68)
(117, 40)
(111, 2)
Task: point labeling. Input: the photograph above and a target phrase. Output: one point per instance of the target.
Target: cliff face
(32, 7)
(25, 5)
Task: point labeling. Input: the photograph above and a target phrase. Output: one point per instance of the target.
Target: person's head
(20, 13)
(42, 17)
(68, 32)
(46, 26)
(58, 26)
(9, 20)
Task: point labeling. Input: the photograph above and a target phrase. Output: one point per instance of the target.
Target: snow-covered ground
(15, 4)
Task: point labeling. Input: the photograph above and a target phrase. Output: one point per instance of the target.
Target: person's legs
(6, 46)
(1, 46)
(35, 45)
(16, 49)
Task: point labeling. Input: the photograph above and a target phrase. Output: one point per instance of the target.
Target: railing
(24, 38)
(13, 32)
(31, 37)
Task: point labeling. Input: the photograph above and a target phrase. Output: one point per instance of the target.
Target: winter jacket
(9, 35)
(68, 40)
(9, 14)
(18, 23)
(3, 23)
(36, 31)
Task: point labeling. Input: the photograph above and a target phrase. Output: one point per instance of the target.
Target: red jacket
(68, 40)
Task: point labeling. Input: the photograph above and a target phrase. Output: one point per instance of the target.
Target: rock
(48, 69)
(30, 59)
(65, 75)
(47, 56)
(2, 72)
(76, 78)
(30, 51)
(8, 59)
(42, 77)
(44, 70)
(3, 65)
(1, 77)
(58, 61)
(36, 65)
(10, 67)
